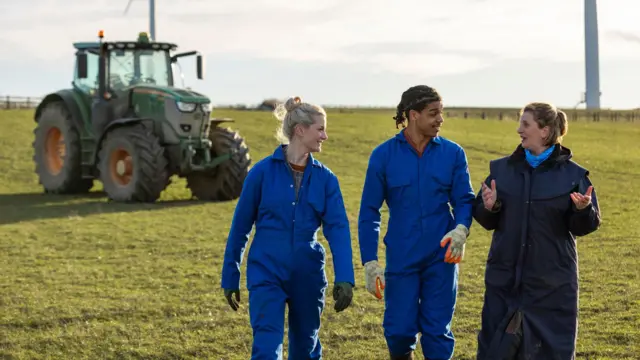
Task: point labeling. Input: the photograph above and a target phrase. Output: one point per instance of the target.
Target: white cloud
(452, 36)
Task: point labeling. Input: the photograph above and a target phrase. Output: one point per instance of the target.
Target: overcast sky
(356, 52)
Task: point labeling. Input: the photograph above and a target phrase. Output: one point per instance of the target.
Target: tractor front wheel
(132, 165)
(224, 182)
(57, 152)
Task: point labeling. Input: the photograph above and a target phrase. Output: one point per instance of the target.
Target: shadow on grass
(15, 208)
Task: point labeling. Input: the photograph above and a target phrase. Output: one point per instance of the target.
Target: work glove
(234, 303)
(456, 239)
(342, 294)
(374, 278)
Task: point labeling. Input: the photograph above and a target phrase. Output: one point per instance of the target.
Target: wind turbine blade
(127, 8)
(626, 36)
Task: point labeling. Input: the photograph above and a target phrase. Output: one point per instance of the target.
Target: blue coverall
(286, 263)
(421, 288)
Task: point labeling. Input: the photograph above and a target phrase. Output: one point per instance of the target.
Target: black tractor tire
(132, 165)
(57, 152)
(224, 182)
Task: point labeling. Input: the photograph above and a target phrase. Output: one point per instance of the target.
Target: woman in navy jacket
(536, 201)
(288, 195)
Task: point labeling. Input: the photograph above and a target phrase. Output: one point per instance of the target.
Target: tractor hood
(182, 95)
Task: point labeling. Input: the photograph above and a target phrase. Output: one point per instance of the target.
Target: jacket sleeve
(373, 195)
(585, 221)
(241, 225)
(335, 227)
(488, 219)
(462, 196)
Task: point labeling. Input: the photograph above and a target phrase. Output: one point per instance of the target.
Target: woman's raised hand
(582, 201)
(489, 195)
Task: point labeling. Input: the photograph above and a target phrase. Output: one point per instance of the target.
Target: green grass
(86, 279)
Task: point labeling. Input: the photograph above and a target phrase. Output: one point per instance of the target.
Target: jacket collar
(559, 155)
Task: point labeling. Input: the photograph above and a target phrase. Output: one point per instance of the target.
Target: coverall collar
(278, 154)
(400, 136)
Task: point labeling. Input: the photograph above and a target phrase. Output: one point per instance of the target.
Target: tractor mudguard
(67, 97)
(115, 124)
(216, 121)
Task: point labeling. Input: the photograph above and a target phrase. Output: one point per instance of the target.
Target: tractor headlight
(185, 107)
(206, 107)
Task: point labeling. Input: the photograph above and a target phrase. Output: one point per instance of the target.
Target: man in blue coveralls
(419, 175)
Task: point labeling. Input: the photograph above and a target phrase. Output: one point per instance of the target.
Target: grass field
(86, 279)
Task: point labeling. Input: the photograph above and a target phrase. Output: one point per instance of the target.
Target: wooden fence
(512, 114)
(505, 114)
(18, 102)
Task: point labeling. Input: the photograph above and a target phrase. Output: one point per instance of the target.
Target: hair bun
(563, 122)
(292, 103)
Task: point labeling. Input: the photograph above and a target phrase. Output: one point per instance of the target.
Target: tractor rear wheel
(57, 152)
(132, 165)
(224, 182)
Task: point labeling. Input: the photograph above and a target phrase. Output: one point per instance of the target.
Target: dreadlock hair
(415, 98)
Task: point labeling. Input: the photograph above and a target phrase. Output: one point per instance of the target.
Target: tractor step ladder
(88, 145)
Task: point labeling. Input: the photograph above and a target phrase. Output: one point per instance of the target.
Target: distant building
(269, 105)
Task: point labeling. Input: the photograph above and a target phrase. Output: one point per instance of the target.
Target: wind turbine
(152, 17)
(591, 52)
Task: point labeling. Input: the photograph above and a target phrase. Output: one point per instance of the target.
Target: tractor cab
(107, 68)
(110, 72)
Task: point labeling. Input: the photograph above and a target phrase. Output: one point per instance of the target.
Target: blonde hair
(546, 114)
(295, 112)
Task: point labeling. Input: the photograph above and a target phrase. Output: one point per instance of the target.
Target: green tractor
(125, 124)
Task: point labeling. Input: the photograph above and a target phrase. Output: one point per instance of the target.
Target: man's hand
(234, 303)
(374, 278)
(457, 239)
(342, 294)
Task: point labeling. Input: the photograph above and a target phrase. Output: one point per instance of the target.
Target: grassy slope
(83, 278)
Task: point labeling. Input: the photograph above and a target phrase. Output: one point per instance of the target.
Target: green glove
(235, 304)
(342, 294)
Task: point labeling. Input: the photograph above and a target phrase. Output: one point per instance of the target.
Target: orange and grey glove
(374, 278)
(456, 239)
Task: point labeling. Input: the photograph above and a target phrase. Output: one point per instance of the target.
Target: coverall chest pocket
(273, 196)
(442, 179)
(399, 192)
(314, 207)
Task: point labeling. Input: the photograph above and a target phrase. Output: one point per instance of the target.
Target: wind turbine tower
(592, 62)
(152, 18)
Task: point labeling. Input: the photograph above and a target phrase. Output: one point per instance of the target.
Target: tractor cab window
(133, 67)
(89, 85)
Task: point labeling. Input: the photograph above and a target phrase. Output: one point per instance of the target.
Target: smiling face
(428, 121)
(312, 136)
(532, 136)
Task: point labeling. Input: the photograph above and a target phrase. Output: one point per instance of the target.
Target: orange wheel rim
(55, 150)
(121, 167)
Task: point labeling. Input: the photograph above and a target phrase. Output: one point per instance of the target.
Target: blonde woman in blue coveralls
(288, 195)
